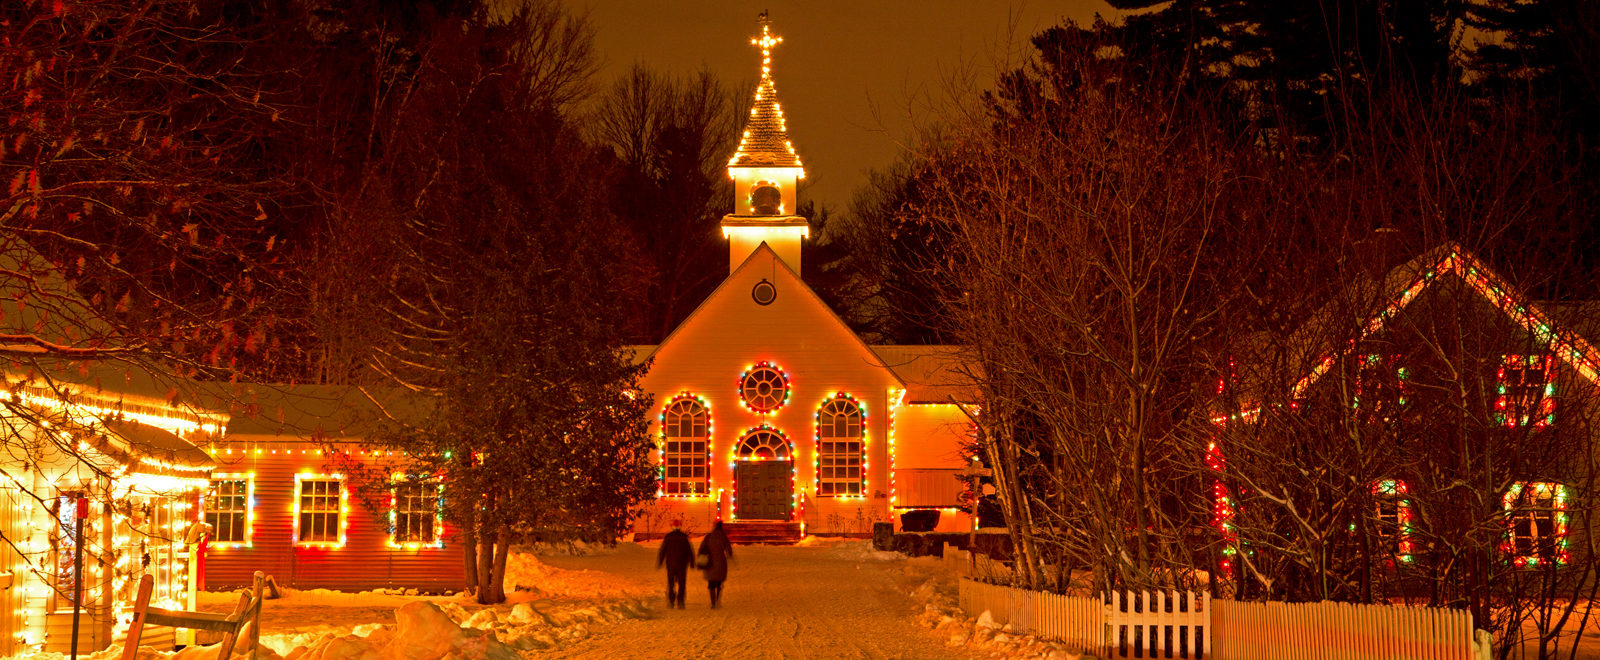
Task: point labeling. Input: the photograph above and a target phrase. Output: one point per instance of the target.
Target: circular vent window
(764, 293)
(764, 388)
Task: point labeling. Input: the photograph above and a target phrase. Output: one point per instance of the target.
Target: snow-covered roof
(1322, 339)
(932, 373)
(332, 413)
(62, 349)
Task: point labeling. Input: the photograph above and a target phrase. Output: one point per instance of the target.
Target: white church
(772, 414)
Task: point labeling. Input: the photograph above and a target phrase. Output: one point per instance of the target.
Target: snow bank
(525, 571)
(854, 550)
(983, 634)
(573, 549)
(424, 630)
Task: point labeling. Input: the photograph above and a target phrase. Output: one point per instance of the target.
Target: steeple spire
(765, 142)
(766, 174)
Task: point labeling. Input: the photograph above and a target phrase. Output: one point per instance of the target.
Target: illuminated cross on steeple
(766, 42)
(766, 173)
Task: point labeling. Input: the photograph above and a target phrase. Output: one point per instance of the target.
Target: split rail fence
(1192, 625)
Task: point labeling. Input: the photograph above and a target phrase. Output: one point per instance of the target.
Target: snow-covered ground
(818, 600)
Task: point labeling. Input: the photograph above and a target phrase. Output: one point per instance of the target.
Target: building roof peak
(765, 142)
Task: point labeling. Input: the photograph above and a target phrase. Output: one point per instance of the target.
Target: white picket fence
(1140, 624)
(1192, 625)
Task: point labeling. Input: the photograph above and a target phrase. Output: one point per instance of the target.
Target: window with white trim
(228, 509)
(839, 460)
(1536, 515)
(1525, 396)
(320, 511)
(1392, 510)
(685, 431)
(416, 512)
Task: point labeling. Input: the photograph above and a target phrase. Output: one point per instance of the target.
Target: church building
(772, 414)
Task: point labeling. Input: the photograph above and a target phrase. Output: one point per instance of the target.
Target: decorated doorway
(764, 476)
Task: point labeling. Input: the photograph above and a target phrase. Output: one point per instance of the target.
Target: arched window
(764, 443)
(686, 433)
(839, 434)
(766, 199)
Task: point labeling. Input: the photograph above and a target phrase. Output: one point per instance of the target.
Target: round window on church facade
(764, 388)
(764, 293)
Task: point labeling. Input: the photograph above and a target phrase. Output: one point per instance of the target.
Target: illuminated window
(686, 427)
(839, 448)
(1393, 513)
(1525, 395)
(228, 510)
(764, 388)
(762, 444)
(1536, 514)
(1382, 386)
(321, 509)
(416, 512)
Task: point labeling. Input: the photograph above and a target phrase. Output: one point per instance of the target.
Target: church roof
(932, 373)
(765, 142)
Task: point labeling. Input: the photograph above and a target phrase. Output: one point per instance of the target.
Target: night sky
(846, 70)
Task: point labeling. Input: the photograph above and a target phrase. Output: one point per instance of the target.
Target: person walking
(717, 551)
(676, 553)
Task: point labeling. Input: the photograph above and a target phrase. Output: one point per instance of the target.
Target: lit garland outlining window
(841, 456)
(1536, 517)
(229, 508)
(1377, 375)
(414, 514)
(764, 443)
(685, 447)
(1222, 509)
(321, 510)
(1524, 395)
(764, 388)
(1393, 511)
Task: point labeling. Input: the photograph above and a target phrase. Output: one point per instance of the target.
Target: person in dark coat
(676, 553)
(717, 552)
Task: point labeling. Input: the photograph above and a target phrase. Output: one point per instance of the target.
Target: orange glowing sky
(849, 72)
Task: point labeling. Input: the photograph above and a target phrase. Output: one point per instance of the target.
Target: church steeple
(765, 172)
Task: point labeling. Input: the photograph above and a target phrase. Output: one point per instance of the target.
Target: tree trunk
(469, 555)
(501, 552)
(486, 583)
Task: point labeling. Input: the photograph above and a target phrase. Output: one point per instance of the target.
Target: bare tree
(1084, 204)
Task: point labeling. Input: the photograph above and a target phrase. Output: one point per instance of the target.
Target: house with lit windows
(772, 414)
(1438, 354)
(103, 440)
(278, 503)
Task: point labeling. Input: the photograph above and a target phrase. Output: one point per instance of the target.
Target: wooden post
(80, 514)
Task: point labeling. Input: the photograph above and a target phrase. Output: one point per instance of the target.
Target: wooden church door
(765, 489)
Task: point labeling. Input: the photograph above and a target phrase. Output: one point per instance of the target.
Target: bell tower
(765, 172)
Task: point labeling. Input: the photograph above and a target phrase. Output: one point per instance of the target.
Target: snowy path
(813, 603)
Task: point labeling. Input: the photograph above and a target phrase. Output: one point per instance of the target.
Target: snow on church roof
(765, 142)
(933, 374)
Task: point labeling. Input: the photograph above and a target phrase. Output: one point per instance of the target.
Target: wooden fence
(1317, 631)
(1192, 625)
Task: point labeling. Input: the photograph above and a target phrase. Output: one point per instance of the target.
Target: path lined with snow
(826, 602)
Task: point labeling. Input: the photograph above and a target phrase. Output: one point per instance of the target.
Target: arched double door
(764, 476)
